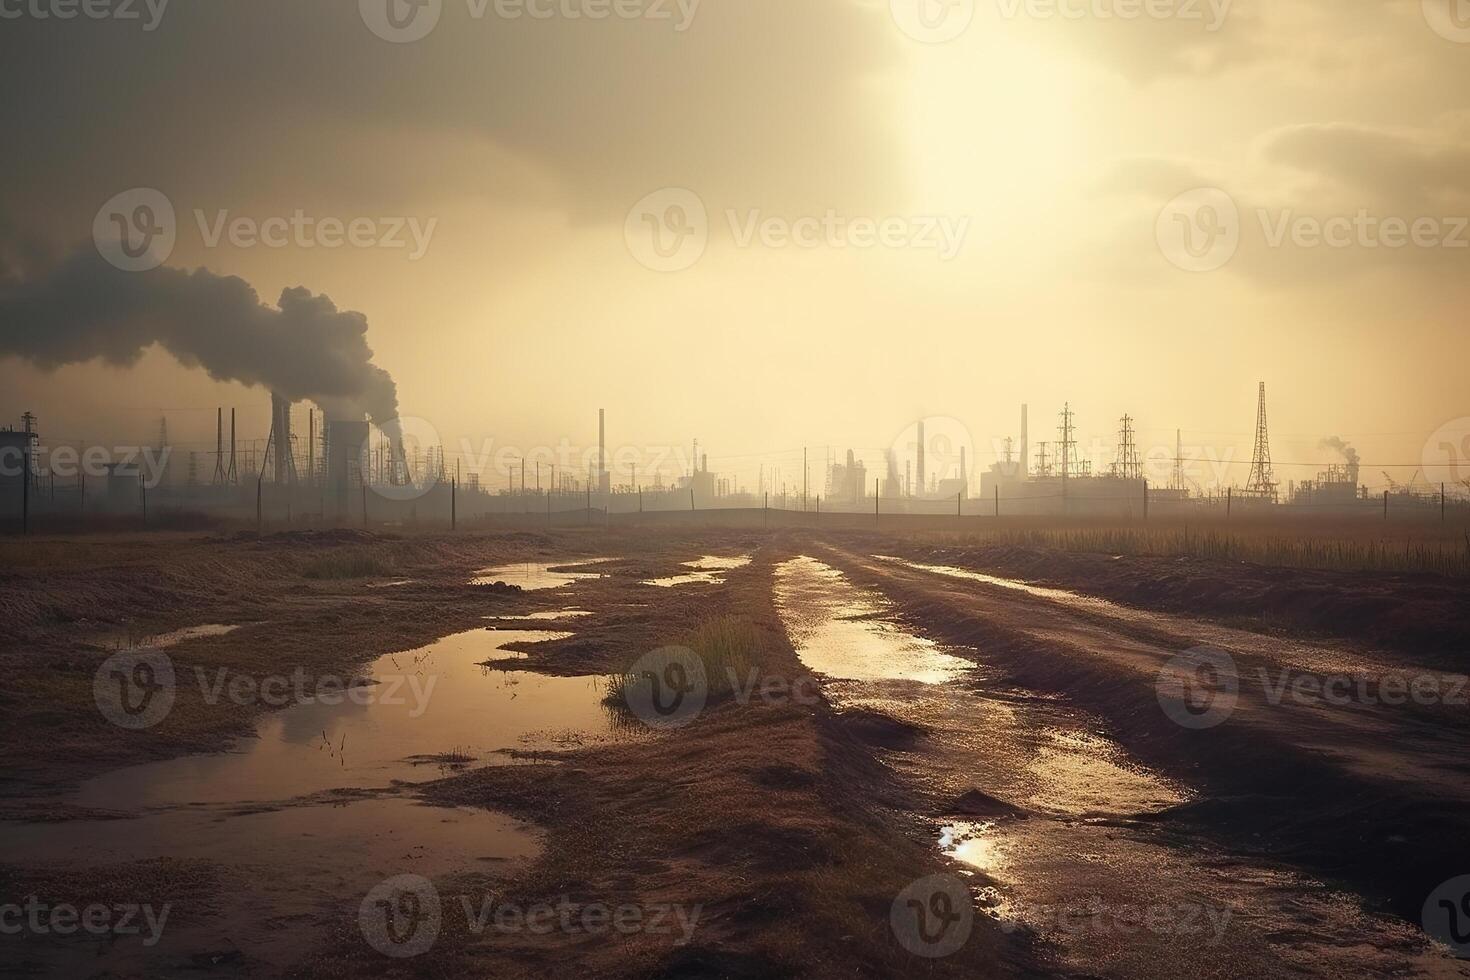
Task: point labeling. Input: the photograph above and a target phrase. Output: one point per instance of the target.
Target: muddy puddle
(546, 616)
(312, 811)
(837, 632)
(1039, 811)
(162, 641)
(416, 706)
(709, 570)
(535, 577)
(1016, 585)
(285, 875)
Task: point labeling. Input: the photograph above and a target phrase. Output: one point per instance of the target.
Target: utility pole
(1178, 459)
(454, 504)
(25, 479)
(1067, 448)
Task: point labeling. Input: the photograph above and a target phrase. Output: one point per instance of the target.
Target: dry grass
(727, 647)
(1334, 546)
(345, 565)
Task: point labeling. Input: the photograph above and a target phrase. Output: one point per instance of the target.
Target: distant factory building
(13, 468)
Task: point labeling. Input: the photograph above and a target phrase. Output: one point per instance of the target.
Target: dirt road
(1292, 762)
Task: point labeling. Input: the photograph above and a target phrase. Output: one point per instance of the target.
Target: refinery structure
(324, 471)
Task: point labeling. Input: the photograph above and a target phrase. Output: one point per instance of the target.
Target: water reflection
(832, 624)
(534, 577)
(705, 571)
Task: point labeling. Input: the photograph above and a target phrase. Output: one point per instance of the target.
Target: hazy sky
(912, 209)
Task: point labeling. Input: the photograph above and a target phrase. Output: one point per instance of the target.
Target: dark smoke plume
(1348, 452)
(304, 349)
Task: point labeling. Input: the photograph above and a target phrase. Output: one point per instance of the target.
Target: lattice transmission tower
(1262, 482)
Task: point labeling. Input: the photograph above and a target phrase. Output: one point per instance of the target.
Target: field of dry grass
(1322, 543)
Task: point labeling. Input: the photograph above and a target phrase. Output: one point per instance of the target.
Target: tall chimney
(601, 442)
(923, 487)
(281, 438)
(1025, 447)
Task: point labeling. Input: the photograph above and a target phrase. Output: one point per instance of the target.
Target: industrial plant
(347, 471)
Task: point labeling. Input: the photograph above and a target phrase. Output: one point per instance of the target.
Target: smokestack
(302, 348)
(963, 471)
(1025, 447)
(281, 438)
(923, 487)
(601, 441)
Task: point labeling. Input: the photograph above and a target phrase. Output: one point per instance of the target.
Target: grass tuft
(345, 565)
(728, 647)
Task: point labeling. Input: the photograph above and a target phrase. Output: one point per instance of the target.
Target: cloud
(304, 348)
(759, 103)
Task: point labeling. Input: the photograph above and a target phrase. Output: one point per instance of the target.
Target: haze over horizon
(519, 153)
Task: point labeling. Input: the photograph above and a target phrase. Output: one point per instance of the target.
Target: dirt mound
(883, 731)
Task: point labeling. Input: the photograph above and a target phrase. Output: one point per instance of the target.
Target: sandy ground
(788, 827)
